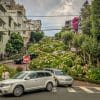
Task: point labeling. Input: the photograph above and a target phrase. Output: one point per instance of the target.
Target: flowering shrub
(47, 46)
(56, 60)
(93, 74)
(75, 22)
(53, 54)
(76, 71)
(10, 70)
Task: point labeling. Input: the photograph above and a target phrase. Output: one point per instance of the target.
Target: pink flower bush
(75, 23)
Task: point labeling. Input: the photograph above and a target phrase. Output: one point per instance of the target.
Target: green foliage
(78, 40)
(36, 36)
(9, 48)
(85, 19)
(58, 35)
(93, 74)
(67, 37)
(54, 60)
(78, 61)
(47, 45)
(52, 53)
(87, 45)
(15, 44)
(10, 70)
(91, 47)
(76, 71)
(95, 11)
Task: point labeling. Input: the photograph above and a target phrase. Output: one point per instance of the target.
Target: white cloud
(64, 8)
(52, 7)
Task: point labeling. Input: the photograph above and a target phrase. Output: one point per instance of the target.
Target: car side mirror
(27, 78)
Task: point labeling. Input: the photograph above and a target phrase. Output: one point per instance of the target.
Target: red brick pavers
(86, 84)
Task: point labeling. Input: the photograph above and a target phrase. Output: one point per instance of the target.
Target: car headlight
(5, 85)
(69, 79)
(62, 79)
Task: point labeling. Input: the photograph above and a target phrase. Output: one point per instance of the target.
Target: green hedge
(91, 75)
(10, 70)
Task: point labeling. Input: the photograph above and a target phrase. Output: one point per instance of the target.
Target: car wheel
(70, 85)
(18, 91)
(49, 87)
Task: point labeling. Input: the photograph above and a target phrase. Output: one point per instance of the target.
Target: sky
(52, 8)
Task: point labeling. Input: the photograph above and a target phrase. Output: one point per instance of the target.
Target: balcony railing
(3, 8)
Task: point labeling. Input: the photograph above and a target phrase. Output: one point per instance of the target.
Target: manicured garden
(54, 54)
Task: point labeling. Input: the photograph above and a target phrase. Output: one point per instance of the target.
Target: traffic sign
(26, 59)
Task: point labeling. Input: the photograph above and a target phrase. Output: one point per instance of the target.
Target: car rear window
(43, 74)
(47, 74)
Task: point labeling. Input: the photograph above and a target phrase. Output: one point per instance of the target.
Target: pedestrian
(5, 74)
(85, 69)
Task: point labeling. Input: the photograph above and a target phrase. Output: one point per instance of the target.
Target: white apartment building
(4, 32)
(13, 19)
(36, 25)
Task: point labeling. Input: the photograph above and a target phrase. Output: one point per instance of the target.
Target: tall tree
(95, 9)
(85, 18)
(36, 36)
(15, 44)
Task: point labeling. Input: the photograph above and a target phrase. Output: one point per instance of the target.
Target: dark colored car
(18, 61)
(32, 56)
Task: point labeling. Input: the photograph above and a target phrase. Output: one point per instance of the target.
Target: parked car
(60, 77)
(18, 61)
(26, 81)
(33, 55)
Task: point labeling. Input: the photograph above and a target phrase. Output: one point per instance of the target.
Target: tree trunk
(98, 63)
(89, 55)
(84, 57)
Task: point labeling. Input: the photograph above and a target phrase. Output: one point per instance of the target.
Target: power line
(31, 30)
(41, 16)
(54, 16)
(46, 16)
(52, 26)
(51, 29)
(43, 29)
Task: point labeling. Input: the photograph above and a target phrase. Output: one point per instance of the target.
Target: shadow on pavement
(33, 92)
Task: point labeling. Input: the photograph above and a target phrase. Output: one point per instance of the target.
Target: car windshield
(59, 73)
(20, 75)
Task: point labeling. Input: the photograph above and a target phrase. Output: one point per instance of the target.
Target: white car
(60, 77)
(26, 81)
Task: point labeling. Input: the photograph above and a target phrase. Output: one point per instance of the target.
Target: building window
(10, 21)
